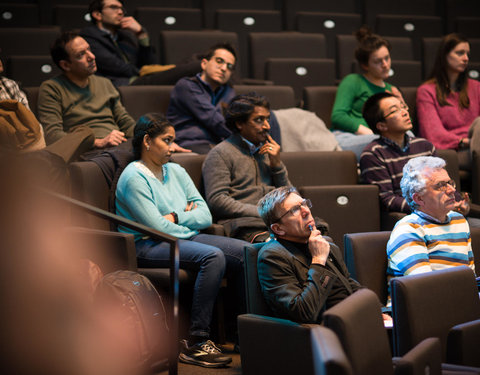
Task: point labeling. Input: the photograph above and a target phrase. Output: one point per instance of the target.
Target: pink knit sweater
(445, 126)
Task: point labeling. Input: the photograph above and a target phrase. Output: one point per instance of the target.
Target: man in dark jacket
(301, 274)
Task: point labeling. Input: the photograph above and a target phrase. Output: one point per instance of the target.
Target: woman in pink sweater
(448, 104)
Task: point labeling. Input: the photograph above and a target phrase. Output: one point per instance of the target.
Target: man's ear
(381, 126)
(97, 15)
(65, 65)
(203, 64)
(417, 198)
(277, 229)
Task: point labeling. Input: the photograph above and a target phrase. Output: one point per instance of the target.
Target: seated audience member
(350, 128)
(383, 159)
(240, 170)
(77, 97)
(448, 104)
(122, 47)
(301, 274)
(196, 103)
(9, 89)
(433, 236)
(161, 195)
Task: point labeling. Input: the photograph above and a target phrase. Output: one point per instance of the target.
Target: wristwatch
(175, 217)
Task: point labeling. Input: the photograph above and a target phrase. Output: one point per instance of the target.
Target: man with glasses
(433, 236)
(301, 274)
(240, 170)
(120, 44)
(383, 159)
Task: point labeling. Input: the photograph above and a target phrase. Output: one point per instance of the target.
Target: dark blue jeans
(209, 256)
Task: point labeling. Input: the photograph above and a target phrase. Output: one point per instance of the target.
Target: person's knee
(215, 258)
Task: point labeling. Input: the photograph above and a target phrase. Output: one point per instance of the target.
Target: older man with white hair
(433, 236)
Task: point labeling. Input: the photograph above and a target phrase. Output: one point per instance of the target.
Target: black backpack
(142, 315)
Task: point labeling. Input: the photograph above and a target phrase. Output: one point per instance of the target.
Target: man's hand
(319, 247)
(176, 148)
(363, 130)
(271, 148)
(130, 23)
(397, 93)
(113, 139)
(463, 206)
(190, 206)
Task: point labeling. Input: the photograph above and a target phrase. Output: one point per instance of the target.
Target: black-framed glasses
(396, 110)
(443, 185)
(295, 210)
(219, 61)
(116, 8)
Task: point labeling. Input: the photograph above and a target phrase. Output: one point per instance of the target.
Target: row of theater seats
(450, 15)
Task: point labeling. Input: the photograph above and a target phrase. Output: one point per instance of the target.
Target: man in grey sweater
(239, 171)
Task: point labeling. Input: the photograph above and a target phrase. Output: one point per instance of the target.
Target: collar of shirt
(393, 144)
(109, 33)
(427, 217)
(215, 95)
(251, 147)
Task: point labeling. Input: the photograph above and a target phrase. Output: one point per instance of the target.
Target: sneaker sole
(185, 359)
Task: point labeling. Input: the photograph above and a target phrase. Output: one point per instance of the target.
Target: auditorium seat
(411, 26)
(209, 8)
(402, 73)
(244, 22)
(19, 15)
(372, 8)
(139, 100)
(468, 26)
(70, 17)
(31, 70)
(328, 24)
(278, 96)
(284, 45)
(179, 46)
(459, 8)
(297, 73)
(291, 8)
(320, 99)
(22, 41)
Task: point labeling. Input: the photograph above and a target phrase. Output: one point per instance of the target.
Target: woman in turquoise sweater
(373, 56)
(161, 195)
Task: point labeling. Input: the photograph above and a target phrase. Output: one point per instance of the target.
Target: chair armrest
(216, 229)
(255, 81)
(426, 355)
(462, 344)
(474, 210)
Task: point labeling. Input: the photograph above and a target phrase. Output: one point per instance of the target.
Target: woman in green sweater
(373, 56)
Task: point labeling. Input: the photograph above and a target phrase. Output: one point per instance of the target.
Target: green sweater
(62, 105)
(352, 93)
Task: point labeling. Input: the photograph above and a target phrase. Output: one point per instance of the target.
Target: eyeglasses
(219, 61)
(295, 210)
(443, 185)
(397, 110)
(116, 8)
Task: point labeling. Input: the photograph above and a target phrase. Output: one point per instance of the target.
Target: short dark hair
(223, 45)
(372, 113)
(58, 51)
(151, 124)
(241, 107)
(368, 43)
(97, 5)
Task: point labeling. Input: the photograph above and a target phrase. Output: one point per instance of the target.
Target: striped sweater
(382, 164)
(419, 244)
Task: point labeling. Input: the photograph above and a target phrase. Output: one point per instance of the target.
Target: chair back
(366, 260)
(358, 323)
(429, 304)
(255, 302)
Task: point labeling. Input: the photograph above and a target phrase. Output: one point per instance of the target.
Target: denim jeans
(209, 256)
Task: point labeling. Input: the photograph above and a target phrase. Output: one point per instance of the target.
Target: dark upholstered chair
(441, 304)
(31, 70)
(27, 41)
(278, 96)
(366, 260)
(327, 352)
(210, 7)
(274, 346)
(300, 72)
(255, 302)
(283, 44)
(358, 323)
(139, 100)
(346, 208)
(321, 168)
(320, 99)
